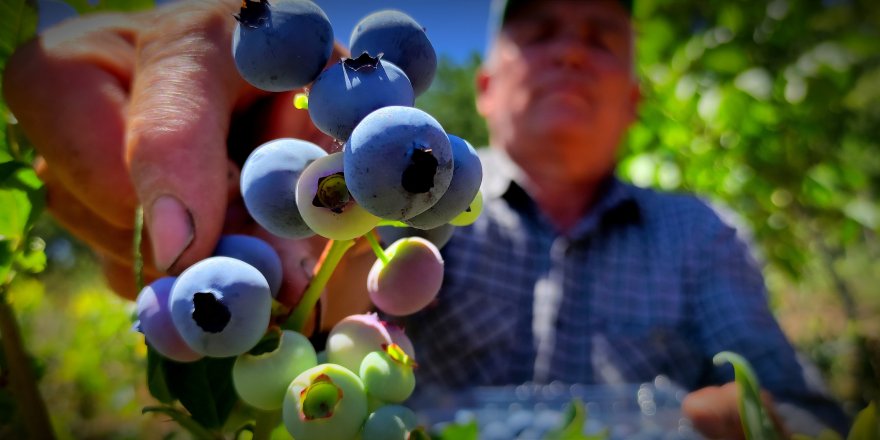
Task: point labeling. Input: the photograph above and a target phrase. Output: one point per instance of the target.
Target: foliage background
(769, 109)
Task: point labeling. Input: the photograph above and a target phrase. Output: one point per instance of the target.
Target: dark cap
(500, 9)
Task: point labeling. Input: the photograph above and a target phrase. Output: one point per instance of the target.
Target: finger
(714, 411)
(121, 279)
(182, 98)
(68, 90)
(87, 226)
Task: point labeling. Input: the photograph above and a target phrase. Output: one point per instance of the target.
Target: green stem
(377, 248)
(331, 257)
(23, 382)
(138, 262)
(266, 422)
(395, 223)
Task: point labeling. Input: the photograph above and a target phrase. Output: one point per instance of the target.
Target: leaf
(182, 419)
(25, 180)
(572, 427)
(461, 431)
(18, 23)
(156, 377)
(85, 6)
(33, 258)
(204, 388)
(867, 425)
(756, 422)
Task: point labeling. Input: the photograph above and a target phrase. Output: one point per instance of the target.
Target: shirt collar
(616, 204)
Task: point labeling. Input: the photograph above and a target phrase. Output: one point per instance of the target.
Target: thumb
(182, 98)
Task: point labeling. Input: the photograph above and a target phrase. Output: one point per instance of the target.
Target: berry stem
(330, 258)
(22, 380)
(377, 248)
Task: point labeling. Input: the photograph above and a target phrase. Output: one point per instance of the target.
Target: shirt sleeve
(732, 314)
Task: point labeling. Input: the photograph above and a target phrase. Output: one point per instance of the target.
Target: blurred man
(570, 275)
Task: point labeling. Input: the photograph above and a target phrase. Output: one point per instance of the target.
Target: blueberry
(325, 402)
(326, 206)
(282, 45)
(154, 318)
(268, 185)
(255, 252)
(397, 162)
(221, 306)
(467, 174)
(402, 41)
(353, 88)
(439, 235)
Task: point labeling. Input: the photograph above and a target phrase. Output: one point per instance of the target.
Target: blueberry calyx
(253, 13)
(320, 398)
(364, 62)
(332, 193)
(210, 313)
(418, 177)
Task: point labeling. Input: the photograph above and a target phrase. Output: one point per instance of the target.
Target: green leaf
(756, 422)
(18, 23)
(33, 258)
(85, 6)
(23, 179)
(156, 377)
(185, 421)
(461, 431)
(867, 425)
(572, 427)
(204, 388)
(14, 216)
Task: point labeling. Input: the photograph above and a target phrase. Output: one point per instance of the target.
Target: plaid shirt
(646, 284)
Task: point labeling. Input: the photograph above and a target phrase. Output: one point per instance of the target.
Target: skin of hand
(714, 412)
(139, 108)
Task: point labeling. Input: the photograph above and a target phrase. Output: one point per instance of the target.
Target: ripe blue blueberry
(282, 45)
(221, 306)
(268, 185)
(402, 41)
(397, 162)
(351, 89)
(154, 321)
(467, 174)
(255, 252)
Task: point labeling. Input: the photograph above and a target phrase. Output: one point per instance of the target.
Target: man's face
(558, 90)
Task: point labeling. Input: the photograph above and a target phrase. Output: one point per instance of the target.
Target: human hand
(714, 412)
(129, 109)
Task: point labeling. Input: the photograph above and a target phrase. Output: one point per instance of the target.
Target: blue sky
(457, 28)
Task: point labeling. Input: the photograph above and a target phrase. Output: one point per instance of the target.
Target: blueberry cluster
(394, 166)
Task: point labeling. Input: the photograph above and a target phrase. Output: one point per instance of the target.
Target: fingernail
(171, 230)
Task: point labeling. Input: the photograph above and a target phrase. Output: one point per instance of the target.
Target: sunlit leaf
(866, 425)
(461, 431)
(572, 426)
(756, 423)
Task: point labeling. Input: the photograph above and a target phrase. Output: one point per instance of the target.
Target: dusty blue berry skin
(268, 185)
(467, 174)
(221, 306)
(285, 51)
(255, 252)
(401, 40)
(154, 321)
(384, 162)
(353, 88)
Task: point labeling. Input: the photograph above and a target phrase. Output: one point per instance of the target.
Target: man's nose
(570, 51)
